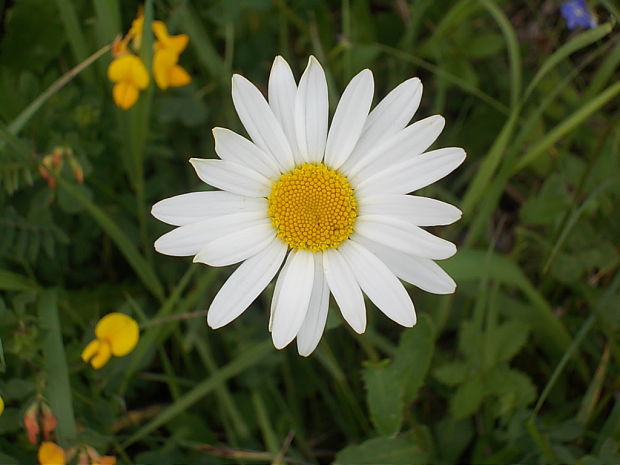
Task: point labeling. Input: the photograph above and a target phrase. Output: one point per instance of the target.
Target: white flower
(331, 205)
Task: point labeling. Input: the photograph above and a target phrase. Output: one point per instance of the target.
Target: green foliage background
(519, 365)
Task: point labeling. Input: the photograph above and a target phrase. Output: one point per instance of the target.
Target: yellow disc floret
(312, 207)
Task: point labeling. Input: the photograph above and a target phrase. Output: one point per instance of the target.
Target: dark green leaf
(467, 398)
(384, 396)
(413, 356)
(451, 373)
(403, 449)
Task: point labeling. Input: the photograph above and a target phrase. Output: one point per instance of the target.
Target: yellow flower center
(312, 207)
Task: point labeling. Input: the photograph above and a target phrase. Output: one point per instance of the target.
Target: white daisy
(333, 206)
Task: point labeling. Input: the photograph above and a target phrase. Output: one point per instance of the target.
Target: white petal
(245, 284)
(233, 147)
(237, 246)
(349, 119)
(402, 235)
(314, 324)
(345, 289)
(311, 112)
(421, 272)
(231, 177)
(391, 115)
(293, 298)
(414, 174)
(277, 288)
(401, 147)
(379, 283)
(198, 206)
(260, 122)
(420, 211)
(189, 239)
(282, 91)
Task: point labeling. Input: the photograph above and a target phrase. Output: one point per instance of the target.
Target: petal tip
(212, 322)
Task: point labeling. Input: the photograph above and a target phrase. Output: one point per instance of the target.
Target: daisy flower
(327, 209)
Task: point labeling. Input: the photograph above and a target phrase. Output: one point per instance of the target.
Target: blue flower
(577, 15)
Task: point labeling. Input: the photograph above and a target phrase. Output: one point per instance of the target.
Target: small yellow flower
(135, 31)
(1, 405)
(117, 334)
(167, 50)
(130, 76)
(51, 454)
(175, 43)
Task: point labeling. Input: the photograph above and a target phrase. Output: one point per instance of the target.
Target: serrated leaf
(451, 373)
(413, 356)
(384, 397)
(403, 449)
(513, 389)
(467, 398)
(509, 338)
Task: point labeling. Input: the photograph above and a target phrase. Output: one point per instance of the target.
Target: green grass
(520, 365)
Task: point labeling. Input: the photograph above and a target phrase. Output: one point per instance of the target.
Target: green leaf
(451, 373)
(479, 264)
(467, 398)
(384, 396)
(18, 389)
(413, 356)
(508, 339)
(10, 281)
(453, 438)
(512, 388)
(543, 207)
(404, 449)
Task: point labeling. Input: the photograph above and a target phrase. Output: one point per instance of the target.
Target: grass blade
(514, 54)
(567, 125)
(575, 44)
(58, 389)
(76, 37)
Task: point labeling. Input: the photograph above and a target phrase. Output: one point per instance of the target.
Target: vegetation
(520, 365)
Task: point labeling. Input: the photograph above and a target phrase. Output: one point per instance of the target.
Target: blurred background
(519, 365)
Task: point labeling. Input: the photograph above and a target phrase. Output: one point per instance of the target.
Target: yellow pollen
(312, 207)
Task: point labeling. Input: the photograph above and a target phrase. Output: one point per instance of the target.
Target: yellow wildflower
(116, 334)
(135, 32)
(1, 405)
(119, 45)
(130, 76)
(167, 50)
(51, 454)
